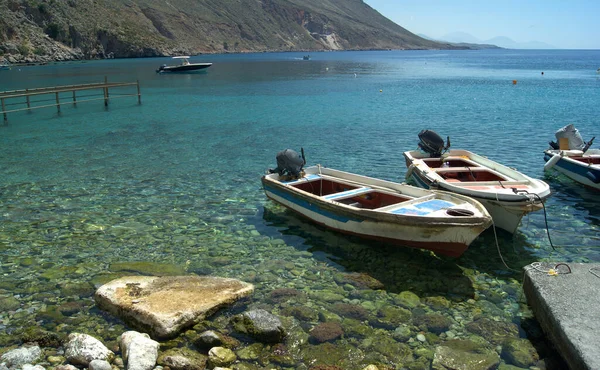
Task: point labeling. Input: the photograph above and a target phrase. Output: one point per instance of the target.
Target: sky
(573, 24)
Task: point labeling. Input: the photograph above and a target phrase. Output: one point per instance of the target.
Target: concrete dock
(565, 298)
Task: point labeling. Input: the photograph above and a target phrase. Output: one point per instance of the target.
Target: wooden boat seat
(395, 206)
(348, 193)
(462, 169)
(470, 174)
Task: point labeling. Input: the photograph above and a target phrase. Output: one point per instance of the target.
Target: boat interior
(366, 197)
(353, 195)
(588, 159)
(462, 170)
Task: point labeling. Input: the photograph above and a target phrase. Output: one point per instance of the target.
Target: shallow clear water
(177, 178)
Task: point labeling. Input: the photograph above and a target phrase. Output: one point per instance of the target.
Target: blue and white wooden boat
(582, 167)
(506, 193)
(382, 210)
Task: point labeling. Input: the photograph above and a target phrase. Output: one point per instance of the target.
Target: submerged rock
(220, 357)
(326, 332)
(495, 331)
(407, 299)
(163, 306)
(42, 337)
(434, 323)
(520, 352)
(182, 359)
(261, 325)
(464, 355)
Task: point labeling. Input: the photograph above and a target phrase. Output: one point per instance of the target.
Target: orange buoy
(514, 82)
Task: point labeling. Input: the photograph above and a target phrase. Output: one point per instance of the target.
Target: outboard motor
(289, 163)
(432, 143)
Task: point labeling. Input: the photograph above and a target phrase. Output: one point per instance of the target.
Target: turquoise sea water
(176, 180)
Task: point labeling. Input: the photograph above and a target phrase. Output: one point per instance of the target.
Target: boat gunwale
(569, 158)
(534, 186)
(376, 215)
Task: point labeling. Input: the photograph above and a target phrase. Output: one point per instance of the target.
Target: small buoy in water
(514, 82)
(380, 90)
(542, 73)
(327, 68)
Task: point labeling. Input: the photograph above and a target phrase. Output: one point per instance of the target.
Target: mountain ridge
(45, 30)
(500, 41)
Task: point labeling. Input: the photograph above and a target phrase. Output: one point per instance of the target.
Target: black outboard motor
(289, 163)
(432, 143)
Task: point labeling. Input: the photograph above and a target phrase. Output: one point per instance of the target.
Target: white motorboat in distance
(185, 66)
(376, 209)
(506, 193)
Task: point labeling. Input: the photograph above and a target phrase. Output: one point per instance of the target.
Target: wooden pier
(21, 100)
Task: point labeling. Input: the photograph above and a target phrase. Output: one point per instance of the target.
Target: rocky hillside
(45, 30)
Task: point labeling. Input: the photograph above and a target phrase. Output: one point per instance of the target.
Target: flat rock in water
(163, 306)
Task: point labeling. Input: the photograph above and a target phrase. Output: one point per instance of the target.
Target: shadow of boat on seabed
(398, 269)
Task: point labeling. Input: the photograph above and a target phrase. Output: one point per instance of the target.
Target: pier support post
(105, 91)
(4, 112)
(139, 93)
(57, 102)
(28, 102)
(74, 99)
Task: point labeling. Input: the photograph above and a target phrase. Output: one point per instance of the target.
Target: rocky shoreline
(177, 309)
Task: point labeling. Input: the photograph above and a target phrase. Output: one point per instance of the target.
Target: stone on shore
(16, 358)
(164, 306)
(99, 365)
(139, 351)
(81, 349)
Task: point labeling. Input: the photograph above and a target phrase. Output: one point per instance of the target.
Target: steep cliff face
(43, 30)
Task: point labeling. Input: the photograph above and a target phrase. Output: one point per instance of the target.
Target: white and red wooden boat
(506, 193)
(382, 210)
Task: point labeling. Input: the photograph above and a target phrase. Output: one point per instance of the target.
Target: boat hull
(586, 173)
(447, 238)
(506, 201)
(184, 68)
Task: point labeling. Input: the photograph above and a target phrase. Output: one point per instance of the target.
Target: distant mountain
(508, 43)
(44, 30)
(461, 37)
(462, 45)
(501, 41)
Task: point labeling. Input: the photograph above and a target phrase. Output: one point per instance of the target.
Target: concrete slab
(567, 306)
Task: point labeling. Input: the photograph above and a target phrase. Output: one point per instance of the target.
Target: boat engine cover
(289, 163)
(431, 143)
(572, 134)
